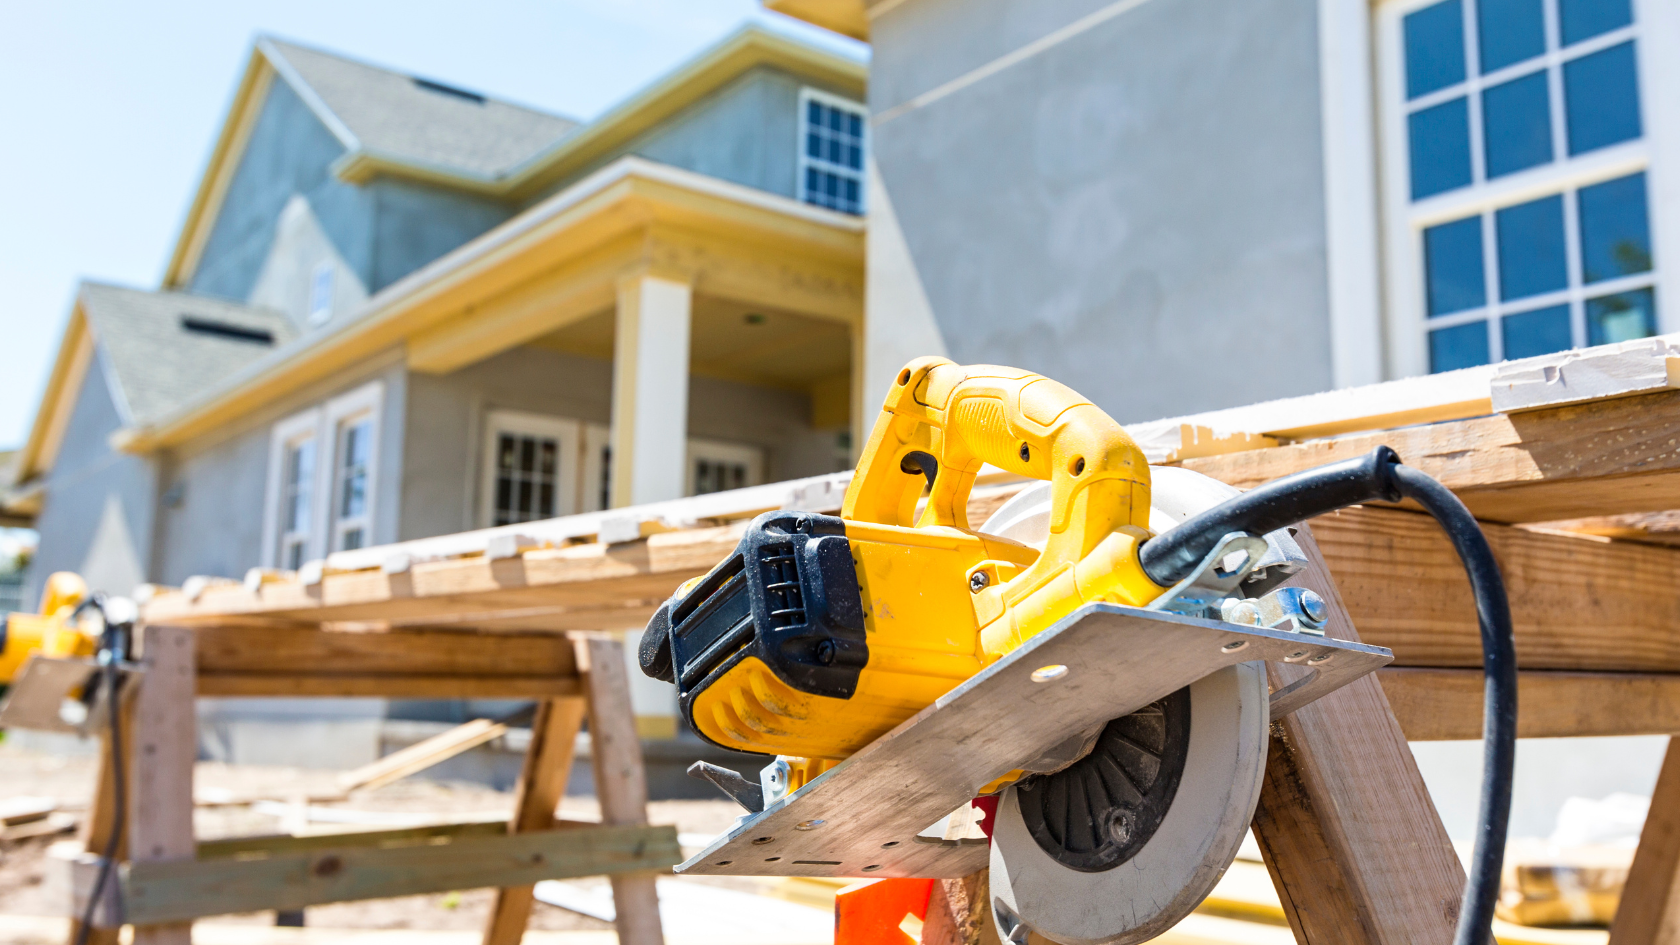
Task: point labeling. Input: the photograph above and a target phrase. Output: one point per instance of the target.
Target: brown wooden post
(542, 783)
(1345, 823)
(1649, 913)
(620, 781)
(102, 821)
(165, 738)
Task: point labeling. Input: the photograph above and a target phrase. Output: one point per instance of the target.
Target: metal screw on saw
(1313, 608)
(977, 581)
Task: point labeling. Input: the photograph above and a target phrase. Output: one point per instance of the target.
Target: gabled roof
(379, 116)
(165, 347)
(413, 120)
(158, 349)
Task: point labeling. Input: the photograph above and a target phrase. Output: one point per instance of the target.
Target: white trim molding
(1353, 250)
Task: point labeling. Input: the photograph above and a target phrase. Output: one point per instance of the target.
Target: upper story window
(1517, 186)
(321, 293)
(833, 139)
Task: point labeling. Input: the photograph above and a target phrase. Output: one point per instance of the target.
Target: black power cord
(113, 647)
(1380, 476)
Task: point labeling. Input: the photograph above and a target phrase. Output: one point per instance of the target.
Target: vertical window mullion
(1473, 92)
(1490, 277)
(1572, 256)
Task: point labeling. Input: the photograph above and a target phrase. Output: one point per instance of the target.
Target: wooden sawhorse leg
(1649, 913)
(542, 784)
(620, 780)
(1346, 826)
(160, 742)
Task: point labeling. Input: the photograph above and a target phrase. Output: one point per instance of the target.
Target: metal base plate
(862, 817)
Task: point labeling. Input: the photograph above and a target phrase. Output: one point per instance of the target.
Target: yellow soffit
(846, 17)
(52, 417)
(626, 197)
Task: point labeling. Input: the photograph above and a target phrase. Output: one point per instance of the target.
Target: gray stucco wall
(219, 483)
(97, 516)
(1137, 211)
(383, 231)
(746, 132)
(443, 457)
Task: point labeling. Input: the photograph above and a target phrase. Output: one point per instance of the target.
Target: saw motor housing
(821, 633)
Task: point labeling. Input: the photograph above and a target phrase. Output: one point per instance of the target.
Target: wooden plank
(1446, 704)
(165, 734)
(392, 837)
(1598, 458)
(426, 753)
(1649, 913)
(185, 889)
(957, 910)
(419, 652)
(620, 780)
(1345, 823)
(597, 583)
(542, 784)
(1406, 590)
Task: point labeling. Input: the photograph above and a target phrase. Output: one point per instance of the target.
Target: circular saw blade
(1119, 846)
(1127, 861)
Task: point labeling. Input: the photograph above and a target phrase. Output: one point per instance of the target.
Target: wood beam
(185, 889)
(1649, 913)
(1446, 704)
(1604, 457)
(1344, 822)
(160, 796)
(1577, 603)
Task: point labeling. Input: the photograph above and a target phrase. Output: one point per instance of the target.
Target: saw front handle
(965, 417)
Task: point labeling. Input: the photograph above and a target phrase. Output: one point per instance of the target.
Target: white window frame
(752, 457)
(363, 403)
(568, 433)
(594, 488)
(807, 95)
(1405, 220)
(290, 432)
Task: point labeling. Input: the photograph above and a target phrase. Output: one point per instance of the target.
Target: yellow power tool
(858, 622)
(821, 634)
(51, 632)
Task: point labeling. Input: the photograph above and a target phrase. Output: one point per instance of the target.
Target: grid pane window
(1510, 237)
(831, 154)
(1552, 292)
(527, 478)
(1502, 81)
(355, 454)
(712, 475)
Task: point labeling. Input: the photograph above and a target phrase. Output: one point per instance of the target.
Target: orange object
(881, 912)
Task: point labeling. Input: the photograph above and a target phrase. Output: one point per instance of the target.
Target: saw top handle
(965, 417)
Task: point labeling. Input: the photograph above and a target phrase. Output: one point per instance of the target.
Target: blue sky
(111, 109)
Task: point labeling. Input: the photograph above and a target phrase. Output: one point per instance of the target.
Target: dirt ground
(69, 781)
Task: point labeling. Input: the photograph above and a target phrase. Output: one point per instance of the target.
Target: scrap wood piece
(431, 751)
(1650, 905)
(1446, 704)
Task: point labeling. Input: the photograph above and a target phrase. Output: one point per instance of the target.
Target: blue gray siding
(97, 517)
(1137, 211)
(746, 132)
(383, 231)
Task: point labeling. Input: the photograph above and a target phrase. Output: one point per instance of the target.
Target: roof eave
(399, 309)
(846, 17)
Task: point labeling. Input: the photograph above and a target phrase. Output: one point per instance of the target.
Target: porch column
(650, 389)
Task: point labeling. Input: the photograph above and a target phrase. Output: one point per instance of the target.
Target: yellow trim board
(52, 417)
(846, 17)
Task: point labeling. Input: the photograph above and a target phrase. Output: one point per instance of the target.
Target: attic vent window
(208, 326)
(442, 89)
